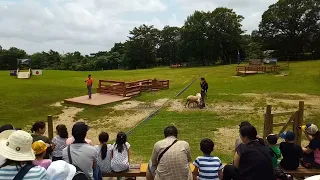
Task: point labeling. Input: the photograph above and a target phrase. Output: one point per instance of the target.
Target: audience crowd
(25, 156)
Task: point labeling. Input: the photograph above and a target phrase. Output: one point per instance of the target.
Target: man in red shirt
(89, 82)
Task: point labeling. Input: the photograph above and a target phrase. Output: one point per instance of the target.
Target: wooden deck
(96, 100)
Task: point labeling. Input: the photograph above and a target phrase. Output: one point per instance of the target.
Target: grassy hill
(231, 99)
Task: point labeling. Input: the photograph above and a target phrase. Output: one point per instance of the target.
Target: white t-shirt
(59, 145)
(104, 164)
(120, 161)
(83, 155)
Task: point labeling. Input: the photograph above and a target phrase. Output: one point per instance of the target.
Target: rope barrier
(153, 113)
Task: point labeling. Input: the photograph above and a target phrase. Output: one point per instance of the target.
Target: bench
(302, 172)
(136, 170)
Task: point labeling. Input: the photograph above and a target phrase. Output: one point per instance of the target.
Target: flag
(36, 72)
(239, 59)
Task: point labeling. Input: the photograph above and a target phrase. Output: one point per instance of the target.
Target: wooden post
(300, 122)
(124, 89)
(99, 88)
(50, 127)
(154, 84)
(268, 122)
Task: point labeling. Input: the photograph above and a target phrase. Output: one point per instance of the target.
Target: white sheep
(193, 99)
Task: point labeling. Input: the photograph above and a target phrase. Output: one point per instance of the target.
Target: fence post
(99, 88)
(124, 89)
(300, 122)
(50, 127)
(268, 122)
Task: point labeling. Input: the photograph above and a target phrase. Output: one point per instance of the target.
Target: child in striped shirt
(207, 166)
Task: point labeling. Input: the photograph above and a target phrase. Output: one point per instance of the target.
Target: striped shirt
(209, 167)
(35, 173)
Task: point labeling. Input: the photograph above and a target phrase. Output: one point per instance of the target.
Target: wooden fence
(129, 89)
(112, 87)
(296, 120)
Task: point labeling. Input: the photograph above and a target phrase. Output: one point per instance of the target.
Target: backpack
(282, 175)
(80, 175)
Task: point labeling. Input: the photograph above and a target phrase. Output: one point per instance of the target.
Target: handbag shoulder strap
(164, 151)
(274, 153)
(69, 155)
(23, 171)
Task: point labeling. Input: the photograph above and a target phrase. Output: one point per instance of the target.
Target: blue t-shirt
(209, 167)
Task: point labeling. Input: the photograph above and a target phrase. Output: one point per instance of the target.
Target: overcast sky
(93, 25)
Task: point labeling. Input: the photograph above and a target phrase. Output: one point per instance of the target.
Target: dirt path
(111, 124)
(138, 110)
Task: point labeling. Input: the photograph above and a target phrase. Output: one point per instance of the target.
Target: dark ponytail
(62, 131)
(37, 125)
(103, 138)
(120, 141)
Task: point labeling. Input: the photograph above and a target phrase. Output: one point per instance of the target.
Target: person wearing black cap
(291, 152)
(204, 90)
(89, 82)
(83, 155)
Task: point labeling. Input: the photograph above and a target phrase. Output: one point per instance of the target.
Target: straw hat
(61, 170)
(17, 146)
(5, 134)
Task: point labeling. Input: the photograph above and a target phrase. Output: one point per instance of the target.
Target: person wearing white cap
(15, 146)
(311, 153)
(61, 170)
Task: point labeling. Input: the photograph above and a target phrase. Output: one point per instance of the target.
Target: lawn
(25, 101)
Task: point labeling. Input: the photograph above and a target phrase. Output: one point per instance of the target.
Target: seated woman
(311, 153)
(252, 159)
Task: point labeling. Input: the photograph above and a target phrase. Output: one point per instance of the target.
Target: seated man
(170, 158)
(82, 154)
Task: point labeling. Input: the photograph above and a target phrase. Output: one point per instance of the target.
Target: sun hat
(4, 135)
(288, 135)
(61, 170)
(17, 146)
(316, 177)
(39, 147)
(310, 129)
(272, 139)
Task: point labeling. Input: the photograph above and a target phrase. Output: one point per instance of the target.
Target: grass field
(230, 100)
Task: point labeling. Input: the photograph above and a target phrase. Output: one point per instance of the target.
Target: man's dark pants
(202, 102)
(89, 91)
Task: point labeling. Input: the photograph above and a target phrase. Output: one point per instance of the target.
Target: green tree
(291, 26)
(170, 39)
(8, 58)
(141, 47)
(208, 36)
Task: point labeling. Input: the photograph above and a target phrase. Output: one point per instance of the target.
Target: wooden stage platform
(96, 100)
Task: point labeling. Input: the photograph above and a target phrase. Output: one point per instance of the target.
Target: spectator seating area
(140, 170)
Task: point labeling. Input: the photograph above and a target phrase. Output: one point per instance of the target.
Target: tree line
(288, 28)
